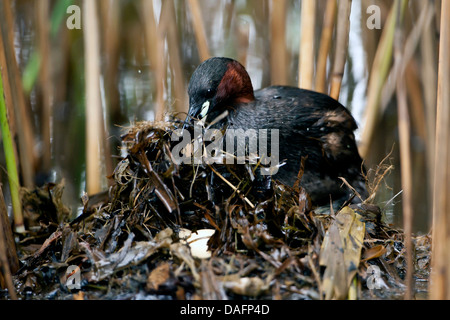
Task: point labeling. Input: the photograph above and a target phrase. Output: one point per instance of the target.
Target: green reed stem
(11, 165)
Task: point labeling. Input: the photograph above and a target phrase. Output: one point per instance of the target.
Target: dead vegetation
(268, 241)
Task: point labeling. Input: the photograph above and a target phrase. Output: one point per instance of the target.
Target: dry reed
(110, 33)
(306, 64)
(154, 45)
(46, 83)
(325, 45)
(405, 157)
(9, 261)
(199, 28)
(342, 34)
(378, 75)
(168, 17)
(94, 113)
(428, 72)
(440, 280)
(278, 54)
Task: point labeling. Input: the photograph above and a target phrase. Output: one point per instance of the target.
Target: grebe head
(216, 85)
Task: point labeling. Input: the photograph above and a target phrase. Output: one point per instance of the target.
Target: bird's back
(311, 125)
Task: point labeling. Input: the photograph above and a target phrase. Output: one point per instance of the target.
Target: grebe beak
(195, 114)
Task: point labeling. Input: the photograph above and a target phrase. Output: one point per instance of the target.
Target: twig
(393, 198)
(351, 188)
(378, 177)
(161, 190)
(232, 187)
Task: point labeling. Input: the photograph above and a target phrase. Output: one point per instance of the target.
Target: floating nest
(255, 237)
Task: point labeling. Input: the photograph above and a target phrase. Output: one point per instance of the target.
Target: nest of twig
(268, 242)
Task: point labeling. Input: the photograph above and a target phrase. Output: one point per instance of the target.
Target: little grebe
(310, 124)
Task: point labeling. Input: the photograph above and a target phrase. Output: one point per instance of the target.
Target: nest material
(268, 241)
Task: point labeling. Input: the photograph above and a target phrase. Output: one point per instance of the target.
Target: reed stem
(168, 18)
(11, 165)
(94, 114)
(428, 72)
(378, 75)
(42, 8)
(278, 54)
(199, 29)
(325, 45)
(440, 277)
(342, 31)
(154, 45)
(9, 261)
(306, 64)
(406, 165)
(21, 124)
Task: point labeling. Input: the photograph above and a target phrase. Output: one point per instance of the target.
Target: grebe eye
(209, 93)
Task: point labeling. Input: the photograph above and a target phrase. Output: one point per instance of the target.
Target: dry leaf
(374, 252)
(158, 276)
(341, 253)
